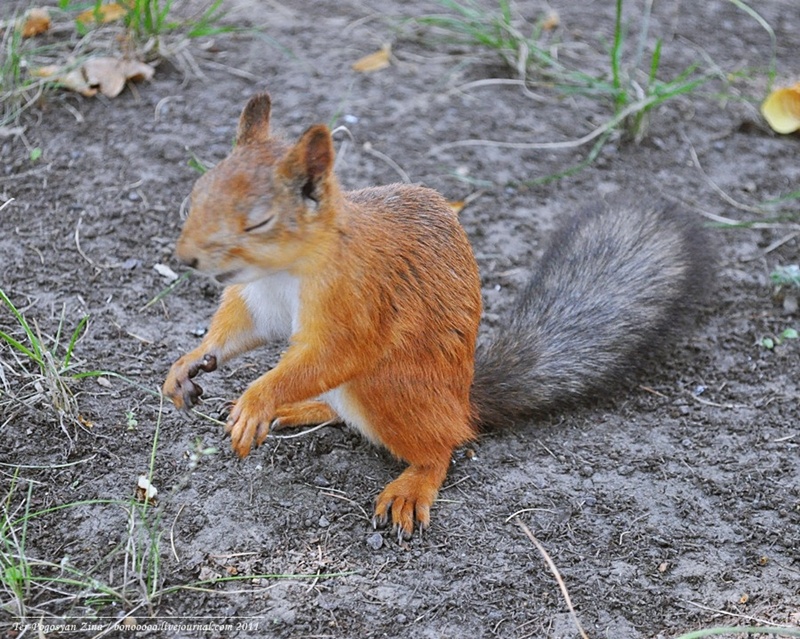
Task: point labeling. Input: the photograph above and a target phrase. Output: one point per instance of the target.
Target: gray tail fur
(613, 286)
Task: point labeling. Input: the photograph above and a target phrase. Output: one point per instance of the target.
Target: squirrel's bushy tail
(616, 281)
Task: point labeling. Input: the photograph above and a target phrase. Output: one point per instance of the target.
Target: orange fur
(382, 300)
(377, 292)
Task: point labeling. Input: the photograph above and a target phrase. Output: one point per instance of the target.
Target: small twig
(569, 144)
(713, 185)
(706, 402)
(78, 243)
(6, 203)
(348, 500)
(778, 243)
(557, 575)
(653, 391)
(382, 156)
(305, 432)
(738, 615)
(727, 221)
(476, 84)
(528, 510)
(319, 570)
(456, 483)
(172, 533)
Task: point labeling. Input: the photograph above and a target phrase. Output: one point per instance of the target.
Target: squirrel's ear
(254, 121)
(316, 150)
(309, 162)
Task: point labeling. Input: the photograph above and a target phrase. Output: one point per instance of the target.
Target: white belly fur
(274, 305)
(349, 411)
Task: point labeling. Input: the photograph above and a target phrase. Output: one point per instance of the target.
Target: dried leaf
(457, 206)
(551, 21)
(105, 13)
(781, 109)
(374, 61)
(73, 79)
(106, 74)
(37, 21)
(109, 75)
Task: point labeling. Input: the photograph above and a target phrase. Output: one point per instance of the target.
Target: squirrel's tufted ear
(317, 150)
(254, 121)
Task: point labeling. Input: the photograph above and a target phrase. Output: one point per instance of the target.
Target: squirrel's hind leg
(304, 414)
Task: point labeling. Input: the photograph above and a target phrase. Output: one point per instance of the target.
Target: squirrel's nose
(191, 262)
(185, 255)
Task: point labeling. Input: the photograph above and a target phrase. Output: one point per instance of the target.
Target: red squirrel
(378, 293)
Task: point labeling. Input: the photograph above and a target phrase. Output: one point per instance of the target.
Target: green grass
(471, 25)
(144, 19)
(129, 578)
(18, 89)
(47, 371)
(633, 85)
(786, 276)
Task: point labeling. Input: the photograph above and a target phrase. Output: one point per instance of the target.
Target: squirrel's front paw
(179, 386)
(249, 421)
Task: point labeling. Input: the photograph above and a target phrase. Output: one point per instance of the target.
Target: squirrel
(378, 293)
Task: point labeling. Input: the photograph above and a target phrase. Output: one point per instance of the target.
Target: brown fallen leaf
(781, 109)
(456, 206)
(105, 74)
(459, 205)
(105, 13)
(374, 61)
(72, 79)
(37, 21)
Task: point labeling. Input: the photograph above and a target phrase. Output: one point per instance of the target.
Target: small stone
(375, 541)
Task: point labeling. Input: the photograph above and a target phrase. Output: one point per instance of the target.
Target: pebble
(375, 541)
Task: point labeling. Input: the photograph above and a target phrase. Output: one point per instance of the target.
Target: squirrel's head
(266, 206)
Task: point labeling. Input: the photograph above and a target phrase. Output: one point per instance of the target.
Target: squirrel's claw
(179, 386)
(192, 393)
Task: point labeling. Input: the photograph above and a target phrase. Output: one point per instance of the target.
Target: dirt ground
(675, 506)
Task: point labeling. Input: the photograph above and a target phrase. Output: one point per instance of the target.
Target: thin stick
(730, 614)
(305, 432)
(382, 156)
(570, 144)
(713, 185)
(78, 243)
(557, 575)
(172, 534)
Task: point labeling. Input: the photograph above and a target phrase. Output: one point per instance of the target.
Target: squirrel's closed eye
(268, 220)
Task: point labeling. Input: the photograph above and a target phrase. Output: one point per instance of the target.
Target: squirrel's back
(615, 281)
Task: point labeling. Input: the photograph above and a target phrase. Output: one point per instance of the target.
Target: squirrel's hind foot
(409, 499)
